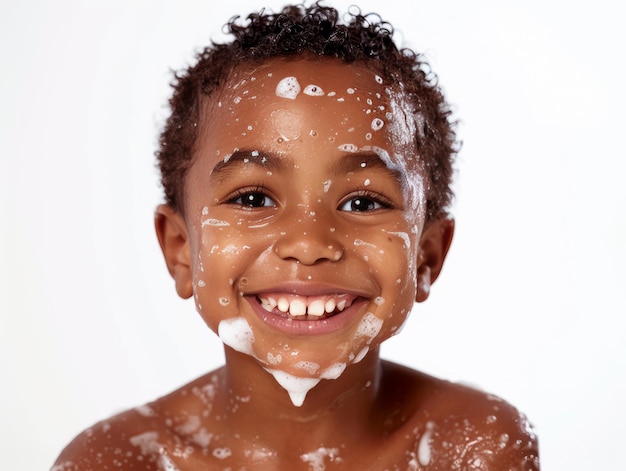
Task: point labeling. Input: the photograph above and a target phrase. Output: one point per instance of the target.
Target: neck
(265, 412)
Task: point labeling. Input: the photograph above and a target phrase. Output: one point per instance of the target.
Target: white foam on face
(167, 464)
(348, 148)
(274, 359)
(313, 90)
(316, 458)
(214, 222)
(146, 411)
(423, 449)
(188, 427)
(359, 356)
(369, 327)
(359, 243)
(222, 453)
(308, 366)
(412, 259)
(296, 387)
(147, 442)
(333, 371)
(289, 87)
(202, 438)
(412, 181)
(237, 334)
(377, 124)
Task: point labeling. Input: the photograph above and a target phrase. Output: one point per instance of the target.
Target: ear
(171, 231)
(434, 245)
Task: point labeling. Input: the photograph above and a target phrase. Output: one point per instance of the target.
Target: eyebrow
(227, 167)
(347, 163)
(361, 161)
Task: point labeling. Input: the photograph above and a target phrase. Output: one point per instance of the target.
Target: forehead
(311, 112)
(309, 80)
(293, 99)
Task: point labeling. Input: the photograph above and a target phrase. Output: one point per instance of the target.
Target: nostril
(308, 248)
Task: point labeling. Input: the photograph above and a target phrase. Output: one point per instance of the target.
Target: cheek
(397, 279)
(219, 252)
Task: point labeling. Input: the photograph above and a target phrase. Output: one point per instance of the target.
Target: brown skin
(290, 220)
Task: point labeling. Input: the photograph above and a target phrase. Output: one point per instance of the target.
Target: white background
(530, 305)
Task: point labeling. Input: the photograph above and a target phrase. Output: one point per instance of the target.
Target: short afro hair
(313, 30)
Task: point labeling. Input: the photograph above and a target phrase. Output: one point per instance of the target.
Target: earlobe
(174, 241)
(434, 245)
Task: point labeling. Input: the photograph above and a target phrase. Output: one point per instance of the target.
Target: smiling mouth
(305, 307)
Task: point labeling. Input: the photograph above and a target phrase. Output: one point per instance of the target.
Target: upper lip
(309, 289)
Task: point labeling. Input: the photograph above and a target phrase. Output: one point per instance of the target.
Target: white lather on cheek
(410, 256)
(237, 334)
(214, 222)
(369, 327)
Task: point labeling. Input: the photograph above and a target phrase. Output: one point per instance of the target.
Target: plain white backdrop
(531, 302)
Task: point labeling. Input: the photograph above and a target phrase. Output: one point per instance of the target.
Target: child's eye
(364, 203)
(252, 199)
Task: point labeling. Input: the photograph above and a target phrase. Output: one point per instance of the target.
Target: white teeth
(316, 308)
(283, 305)
(297, 308)
(267, 304)
(330, 305)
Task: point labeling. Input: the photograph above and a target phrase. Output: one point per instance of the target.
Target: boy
(306, 167)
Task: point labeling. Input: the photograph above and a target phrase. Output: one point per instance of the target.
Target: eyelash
(377, 198)
(257, 189)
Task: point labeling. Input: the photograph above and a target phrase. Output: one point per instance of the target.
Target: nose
(309, 244)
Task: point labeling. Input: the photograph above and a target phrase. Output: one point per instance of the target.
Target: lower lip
(306, 327)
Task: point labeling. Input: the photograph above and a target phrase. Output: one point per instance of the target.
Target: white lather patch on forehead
(289, 88)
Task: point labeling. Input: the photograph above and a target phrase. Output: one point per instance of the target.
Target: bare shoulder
(154, 436)
(129, 440)
(456, 427)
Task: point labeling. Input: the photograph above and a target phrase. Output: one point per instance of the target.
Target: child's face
(305, 196)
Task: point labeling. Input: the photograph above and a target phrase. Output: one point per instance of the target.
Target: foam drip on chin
(296, 387)
(237, 334)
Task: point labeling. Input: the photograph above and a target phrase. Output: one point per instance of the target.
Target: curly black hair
(319, 31)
